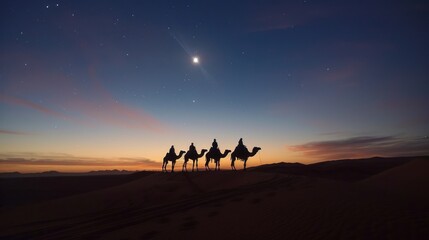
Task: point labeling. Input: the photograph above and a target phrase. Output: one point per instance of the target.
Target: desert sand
(350, 199)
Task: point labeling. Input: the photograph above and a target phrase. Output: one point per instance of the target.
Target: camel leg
(244, 165)
(172, 166)
(193, 165)
(207, 165)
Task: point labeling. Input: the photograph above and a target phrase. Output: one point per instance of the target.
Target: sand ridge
(231, 205)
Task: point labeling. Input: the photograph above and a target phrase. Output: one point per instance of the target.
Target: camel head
(254, 151)
(180, 154)
(225, 153)
(203, 150)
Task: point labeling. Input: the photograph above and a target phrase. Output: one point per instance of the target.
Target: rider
(214, 144)
(192, 149)
(214, 149)
(172, 152)
(240, 147)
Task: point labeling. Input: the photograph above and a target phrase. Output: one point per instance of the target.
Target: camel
(173, 159)
(216, 156)
(194, 157)
(243, 155)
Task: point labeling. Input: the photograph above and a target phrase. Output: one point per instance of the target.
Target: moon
(195, 60)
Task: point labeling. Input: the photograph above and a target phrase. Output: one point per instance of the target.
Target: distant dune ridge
(377, 198)
(407, 178)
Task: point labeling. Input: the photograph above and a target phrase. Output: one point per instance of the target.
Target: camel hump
(241, 150)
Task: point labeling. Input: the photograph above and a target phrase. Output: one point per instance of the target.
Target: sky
(90, 85)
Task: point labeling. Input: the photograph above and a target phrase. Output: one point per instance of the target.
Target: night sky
(89, 85)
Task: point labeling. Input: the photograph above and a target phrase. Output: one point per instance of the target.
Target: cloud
(98, 105)
(11, 132)
(29, 104)
(105, 109)
(364, 146)
(70, 160)
(80, 97)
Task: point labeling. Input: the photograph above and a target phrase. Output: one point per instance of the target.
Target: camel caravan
(241, 153)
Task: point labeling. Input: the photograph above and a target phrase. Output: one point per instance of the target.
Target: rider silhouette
(240, 147)
(192, 149)
(214, 149)
(172, 152)
(214, 144)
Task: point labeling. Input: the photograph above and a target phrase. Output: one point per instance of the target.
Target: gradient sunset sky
(89, 85)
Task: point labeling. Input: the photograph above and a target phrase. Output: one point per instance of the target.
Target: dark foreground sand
(262, 203)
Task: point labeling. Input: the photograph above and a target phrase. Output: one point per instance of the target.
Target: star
(195, 60)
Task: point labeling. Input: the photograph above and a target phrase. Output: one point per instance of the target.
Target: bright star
(195, 60)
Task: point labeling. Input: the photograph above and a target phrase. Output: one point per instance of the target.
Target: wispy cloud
(70, 160)
(29, 104)
(80, 97)
(364, 146)
(11, 132)
(94, 105)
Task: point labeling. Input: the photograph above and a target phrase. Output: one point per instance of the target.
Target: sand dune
(233, 205)
(407, 180)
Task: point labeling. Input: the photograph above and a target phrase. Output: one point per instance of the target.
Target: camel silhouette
(194, 157)
(216, 155)
(242, 155)
(171, 157)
